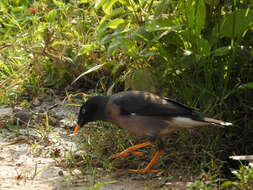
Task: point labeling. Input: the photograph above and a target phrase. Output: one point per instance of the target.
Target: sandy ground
(20, 170)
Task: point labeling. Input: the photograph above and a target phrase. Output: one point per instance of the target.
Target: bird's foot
(121, 154)
(132, 150)
(124, 154)
(145, 171)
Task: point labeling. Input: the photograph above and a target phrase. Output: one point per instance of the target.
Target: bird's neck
(101, 113)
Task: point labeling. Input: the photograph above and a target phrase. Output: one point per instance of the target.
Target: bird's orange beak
(77, 128)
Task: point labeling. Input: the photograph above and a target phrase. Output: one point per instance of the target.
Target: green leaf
(148, 53)
(83, 1)
(127, 45)
(114, 23)
(99, 3)
(19, 9)
(246, 86)
(141, 35)
(200, 16)
(101, 29)
(114, 13)
(113, 46)
(109, 37)
(221, 51)
(58, 3)
(228, 184)
(107, 7)
(235, 24)
(160, 24)
(140, 80)
(203, 46)
(51, 15)
(196, 15)
(95, 68)
(162, 5)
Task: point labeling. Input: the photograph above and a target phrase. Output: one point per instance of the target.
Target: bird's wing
(148, 104)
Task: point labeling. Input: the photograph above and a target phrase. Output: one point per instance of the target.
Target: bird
(144, 114)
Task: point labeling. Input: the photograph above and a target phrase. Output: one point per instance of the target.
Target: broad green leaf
(160, 24)
(58, 3)
(227, 184)
(99, 3)
(235, 24)
(246, 86)
(196, 15)
(200, 16)
(203, 47)
(19, 9)
(109, 37)
(114, 23)
(127, 45)
(171, 37)
(106, 39)
(107, 7)
(114, 13)
(141, 35)
(221, 51)
(51, 15)
(83, 1)
(101, 29)
(113, 46)
(162, 5)
(149, 53)
(142, 80)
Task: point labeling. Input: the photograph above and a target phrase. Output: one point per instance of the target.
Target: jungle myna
(144, 114)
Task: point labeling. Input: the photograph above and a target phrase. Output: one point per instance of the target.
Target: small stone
(6, 112)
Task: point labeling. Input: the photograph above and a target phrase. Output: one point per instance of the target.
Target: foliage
(44, 44)
(244, 179)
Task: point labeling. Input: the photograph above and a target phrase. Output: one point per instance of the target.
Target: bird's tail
(216, 122)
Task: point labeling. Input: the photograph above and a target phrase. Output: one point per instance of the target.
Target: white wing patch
(187, 122)
(226, 123)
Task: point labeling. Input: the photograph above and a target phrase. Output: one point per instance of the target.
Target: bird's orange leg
(153, 161)
(132, 150)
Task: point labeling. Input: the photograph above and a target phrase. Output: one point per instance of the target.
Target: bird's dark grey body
(146, 114)
(142, 113)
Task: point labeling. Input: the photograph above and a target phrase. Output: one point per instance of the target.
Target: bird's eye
(83, 111)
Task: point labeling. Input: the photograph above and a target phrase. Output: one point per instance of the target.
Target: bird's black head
(92, 110)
